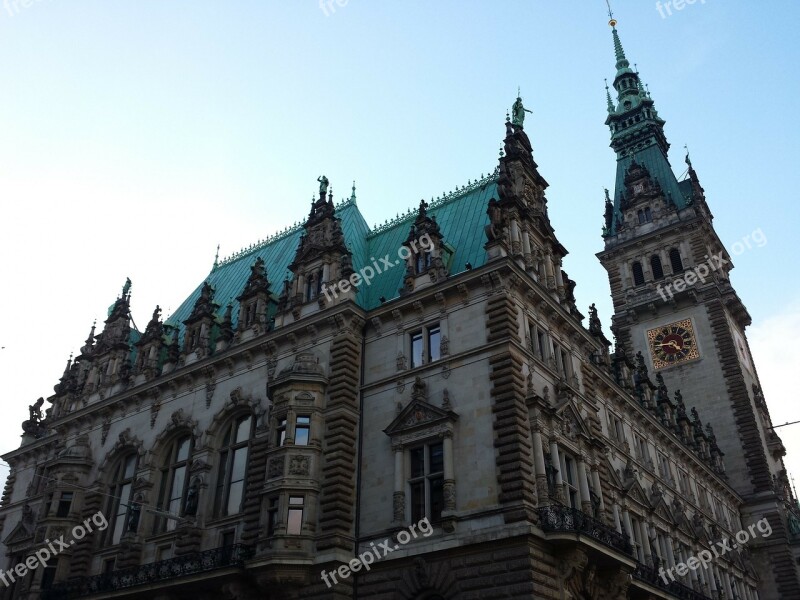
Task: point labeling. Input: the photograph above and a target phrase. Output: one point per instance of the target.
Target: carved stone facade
(468, 433)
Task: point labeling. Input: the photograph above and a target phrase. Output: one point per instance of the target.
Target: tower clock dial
(672, 344)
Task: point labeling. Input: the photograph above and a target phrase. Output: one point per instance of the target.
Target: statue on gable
(518, 113)
(323, 185)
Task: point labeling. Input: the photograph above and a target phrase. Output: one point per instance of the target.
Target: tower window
(648, 216)
(638, 274)
(675, 260)
(655, 265)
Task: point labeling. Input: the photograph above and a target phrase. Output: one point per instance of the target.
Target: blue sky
(136, 136)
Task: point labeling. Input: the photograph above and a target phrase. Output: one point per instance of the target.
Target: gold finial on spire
(611, 20)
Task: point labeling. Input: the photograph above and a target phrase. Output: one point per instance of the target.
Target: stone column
(526, 248)
(539, 470)
(559, 277)
(595, 471)
(644, 534)
(399, 485)
(617, 523)
(449, 485)
(583, 487)
(515, 241)
(549, 270)
(670, 551)
(626, 520)
(556, 462)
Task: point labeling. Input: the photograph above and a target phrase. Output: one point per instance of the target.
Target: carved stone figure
(323, 185)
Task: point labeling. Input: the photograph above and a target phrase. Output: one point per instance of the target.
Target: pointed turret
(322, 258)
(637, 135)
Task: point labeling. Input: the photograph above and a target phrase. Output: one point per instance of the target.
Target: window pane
(417, 501)
(294, 523)
(235, 497)
(437, 498)
(417, 461)
(243, 431)
(176, 492)
(130, 466)
(239, 464)
(436, 458)
(416, 349)
(301, 432)
(434, 343)
(296, 500)
(223, 470)
(183, 449)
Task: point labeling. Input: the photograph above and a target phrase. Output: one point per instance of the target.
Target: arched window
(638, 274)
(174, 480)
(675, 260)
(233, 466)
(120, 492)
(655, 265)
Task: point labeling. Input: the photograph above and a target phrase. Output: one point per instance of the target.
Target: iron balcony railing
(676, 588)
(557, 517)
(180, 566)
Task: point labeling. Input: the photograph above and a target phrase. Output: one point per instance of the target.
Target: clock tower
(674, 302)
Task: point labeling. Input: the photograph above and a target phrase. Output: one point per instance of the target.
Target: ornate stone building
(434, 370)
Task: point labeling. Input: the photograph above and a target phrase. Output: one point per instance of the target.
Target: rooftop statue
(518, 112)
(323, 185)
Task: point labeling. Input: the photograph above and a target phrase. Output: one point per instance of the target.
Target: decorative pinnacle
(216, 260)
(353, 194)
(608, 98)
(688, 160)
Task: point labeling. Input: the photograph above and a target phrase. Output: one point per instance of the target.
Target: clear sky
(136, 136)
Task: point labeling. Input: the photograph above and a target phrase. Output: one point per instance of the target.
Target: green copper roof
(461, 216)
(661, 171)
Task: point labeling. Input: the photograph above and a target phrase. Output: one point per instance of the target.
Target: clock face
(672, 344)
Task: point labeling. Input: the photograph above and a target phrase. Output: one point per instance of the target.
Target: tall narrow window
(655, 265)
(638, 274)
(120, 492)
(648, 216)
(294, 522)
(434, 343)
(640, 214)
(416, 349)
(426, 482)
(175, 480)
(272, 516)
(233, 466)
(540, 339)
(301, 431)
(675, 260)
(571, 479)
